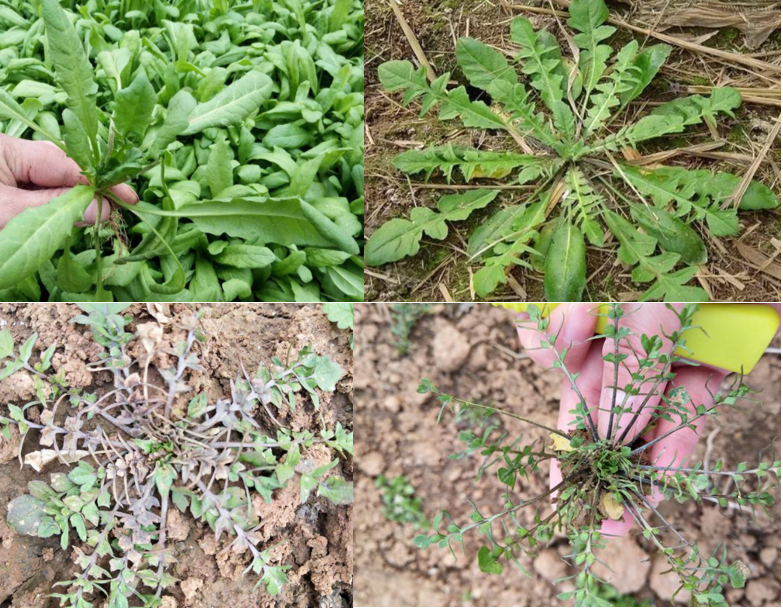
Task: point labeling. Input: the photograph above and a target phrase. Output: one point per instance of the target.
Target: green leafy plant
(580, 191)
(143, 447)
(606, 471)
(238, 122)
(400, 502)
(404, 319)
(340, 313)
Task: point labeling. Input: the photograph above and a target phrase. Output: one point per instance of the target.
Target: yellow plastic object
(734, 337)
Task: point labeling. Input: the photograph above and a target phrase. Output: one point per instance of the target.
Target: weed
(608, 471)
(400, 502)
(139, 448)
(580, 190)
(404, 319)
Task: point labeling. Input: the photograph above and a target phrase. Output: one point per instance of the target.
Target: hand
(575, 324)
(32, 173)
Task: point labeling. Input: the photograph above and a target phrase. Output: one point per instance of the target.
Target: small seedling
(404, 319)
(582, 187)
(607, 471)
(146, 444)
(400, 502)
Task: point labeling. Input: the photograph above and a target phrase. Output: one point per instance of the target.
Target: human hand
(574, 325)
(32, 173)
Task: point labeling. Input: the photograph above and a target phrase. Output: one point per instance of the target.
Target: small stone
(177, 526)
(549, 565)
(373, 464)
(451, 348)
(169, 602)
(190, 588)
(761, 592)
(627, 564)
(399, 555)
(768, 556)
(664, 585)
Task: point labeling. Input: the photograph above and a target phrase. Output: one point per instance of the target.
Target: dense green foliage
(240, 124)
(400, 502)
(608, 472)
(580, 192)
(141, 448)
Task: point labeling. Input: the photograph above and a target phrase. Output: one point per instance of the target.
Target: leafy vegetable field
(240, 124)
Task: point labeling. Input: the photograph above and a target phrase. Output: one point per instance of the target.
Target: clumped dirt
(393, 129)
(313, 538)
(472, 351)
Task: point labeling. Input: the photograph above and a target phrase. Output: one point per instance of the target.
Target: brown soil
(471, 351)
(314, 538)
(393, 129)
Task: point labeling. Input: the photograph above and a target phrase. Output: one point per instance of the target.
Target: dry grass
(734, 46)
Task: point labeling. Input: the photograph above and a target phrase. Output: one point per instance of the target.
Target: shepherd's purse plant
(582, 190)
(606, 471)
(145, 446)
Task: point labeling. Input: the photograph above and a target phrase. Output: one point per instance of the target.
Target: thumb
(655, 319)
(15, 200)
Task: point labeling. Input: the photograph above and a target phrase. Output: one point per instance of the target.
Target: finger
(40, 163)
(572, 323)
(675, 450)
(92, 211)
(43, 164)
(653, 319)
(589, 386)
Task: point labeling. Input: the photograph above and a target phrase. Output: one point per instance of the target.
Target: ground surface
(732, 273)
(315, 538)
(470, 351)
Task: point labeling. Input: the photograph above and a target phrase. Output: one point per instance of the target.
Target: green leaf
(399, 238)
(25, 514)
(587, 17)
(288, 137)
(327, 374)
(83, 475)
(134, 105)
(482, 64)
(176, 122)
(275, 579)
(329, 229)
(77, 141)
(645, 65)
(74, 72)
(607, 99)
(11, 109)
(672, 234)
(340, 313)
(246, 256)
(488, 563)
(232, 105)
(197, 406)
(6, 344)
(587, 205)
(696, 108)
(566, 265)
(71, 275)
(31, 238)
(471, 163)
(634, 245)
(219, 173)
(77, 521)
(337, 490)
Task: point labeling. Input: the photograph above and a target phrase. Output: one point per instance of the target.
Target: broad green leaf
(76, 140)
(400, 238)
(134, 105)
(672, 234)
(219, 173)
(340, 313)
(232, 105)
(327, 374)
(25, 514)
(10, 108)
(6, 344)
(32, 237)
(482, 64)
(176, 122)
(488, 563)
(634, 245)
(246, 256)
(336, 235)
(71, 275)
(566, 265)
(74, 72)
(288, 137)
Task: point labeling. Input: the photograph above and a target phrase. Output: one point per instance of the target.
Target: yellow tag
(613, 508)
(560, 443)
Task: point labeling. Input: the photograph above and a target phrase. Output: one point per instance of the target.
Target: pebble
(627, 563)
(372, 464)
(450, 348)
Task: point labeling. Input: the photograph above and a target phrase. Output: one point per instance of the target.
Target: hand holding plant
(34, 173)
(574, 326)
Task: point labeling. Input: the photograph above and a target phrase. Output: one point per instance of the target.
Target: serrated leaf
(671, 233)
(340, 313)
(482, 64)
(471, 163)
(400, 238)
